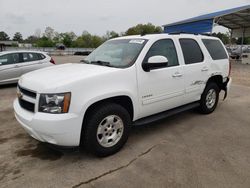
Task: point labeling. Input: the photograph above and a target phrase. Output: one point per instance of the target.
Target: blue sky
(98, 16)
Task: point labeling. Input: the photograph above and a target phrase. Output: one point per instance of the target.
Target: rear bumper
(56, 129)
(227, 86)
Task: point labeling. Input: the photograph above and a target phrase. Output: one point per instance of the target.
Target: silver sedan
(13, 64)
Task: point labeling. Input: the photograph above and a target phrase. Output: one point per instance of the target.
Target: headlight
(54, 103)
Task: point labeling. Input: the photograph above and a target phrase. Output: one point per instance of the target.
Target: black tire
(90, 128)
(204, 107)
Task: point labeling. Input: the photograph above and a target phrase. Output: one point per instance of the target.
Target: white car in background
(14, 64)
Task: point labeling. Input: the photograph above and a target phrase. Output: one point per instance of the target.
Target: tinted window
(9, 59)
(191, 51)
(41, 56)
(30, 57)
(164, 48)
(215, 49)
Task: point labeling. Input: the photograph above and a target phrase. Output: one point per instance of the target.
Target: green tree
(18, 37)
(143, 29)
(111, 35)
(45, 42)
(225, 38)
(67, 38)
(4, 36)
(31, 39)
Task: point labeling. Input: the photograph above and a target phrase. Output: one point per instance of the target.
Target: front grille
(27, 92)
(27, 105)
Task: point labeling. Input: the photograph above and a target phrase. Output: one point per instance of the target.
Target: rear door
(196, 68)
(31, 61)
(10, 70)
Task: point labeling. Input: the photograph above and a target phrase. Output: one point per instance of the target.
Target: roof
(21, 51)
(241, 15)
(162, 36)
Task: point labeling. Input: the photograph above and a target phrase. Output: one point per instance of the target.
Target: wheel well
(218, 80)
(124, 101)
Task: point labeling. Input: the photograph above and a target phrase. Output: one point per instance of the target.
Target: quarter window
(191, 51)
(215, 49)
(166, 48)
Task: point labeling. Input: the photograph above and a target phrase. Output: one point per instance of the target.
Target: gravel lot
(187, 150)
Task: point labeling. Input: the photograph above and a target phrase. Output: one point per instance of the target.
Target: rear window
(215, 49)
(191, 51)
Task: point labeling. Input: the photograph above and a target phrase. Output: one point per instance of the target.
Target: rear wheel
(106, 129)
(209, 98)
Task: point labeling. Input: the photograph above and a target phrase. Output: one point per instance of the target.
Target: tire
(209, 98)
(106, 129)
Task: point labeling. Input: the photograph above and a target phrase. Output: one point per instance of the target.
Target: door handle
(204, 69)
(16, 66)
(176, 75)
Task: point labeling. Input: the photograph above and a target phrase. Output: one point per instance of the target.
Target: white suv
(126, 81)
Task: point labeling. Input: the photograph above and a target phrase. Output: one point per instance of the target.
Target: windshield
(117, 53)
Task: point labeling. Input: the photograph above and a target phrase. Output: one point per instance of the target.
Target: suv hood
(60, 75)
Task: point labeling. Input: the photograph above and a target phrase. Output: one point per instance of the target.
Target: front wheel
(106, 129)
(209, 98)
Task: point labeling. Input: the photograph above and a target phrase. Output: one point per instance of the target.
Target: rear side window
(166, 48)
(215, 49)
(30, 57)
(191, 51)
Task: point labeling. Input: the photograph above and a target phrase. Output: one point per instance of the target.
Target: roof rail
(177, 33)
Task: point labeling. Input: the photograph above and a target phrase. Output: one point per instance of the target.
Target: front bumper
(227, 86)
(56, 129)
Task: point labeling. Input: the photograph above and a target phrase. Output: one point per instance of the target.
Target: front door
(161, 89)
(10, 70)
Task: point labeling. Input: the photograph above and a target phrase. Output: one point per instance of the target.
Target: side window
(33, 56)
(9, 59)
(26, 57)
(41, 56)
(191, 51)
(166, 48)
(30, 57)
(215, 49)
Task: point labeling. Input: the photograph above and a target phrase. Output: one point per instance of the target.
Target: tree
(49, 33)
(225, 38)
(18, 37)
(45, 42)
(143, 29)
(31, 39)
(111, 35)
(4, 36)
(86, 40)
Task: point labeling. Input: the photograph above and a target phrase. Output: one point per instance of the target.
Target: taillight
(52, 61)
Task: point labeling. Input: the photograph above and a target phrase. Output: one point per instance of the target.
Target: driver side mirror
(155, 62)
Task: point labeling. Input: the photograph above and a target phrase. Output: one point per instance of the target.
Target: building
(4, 44)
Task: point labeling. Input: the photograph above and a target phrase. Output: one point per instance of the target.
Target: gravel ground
(187, 150)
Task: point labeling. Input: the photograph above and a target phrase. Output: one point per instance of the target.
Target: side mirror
(155, 62)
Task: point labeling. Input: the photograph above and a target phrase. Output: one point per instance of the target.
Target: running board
(168, 113)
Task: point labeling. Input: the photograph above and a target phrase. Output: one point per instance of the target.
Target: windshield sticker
(137, 41)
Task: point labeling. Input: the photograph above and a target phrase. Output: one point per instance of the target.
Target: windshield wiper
(103, 63)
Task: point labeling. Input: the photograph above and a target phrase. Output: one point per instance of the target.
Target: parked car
(14, 64)
(127, 81)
